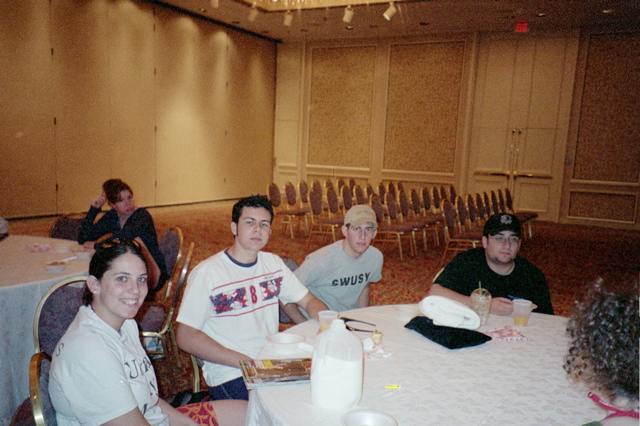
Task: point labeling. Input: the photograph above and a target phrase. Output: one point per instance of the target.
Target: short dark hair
(604, 332)
(106, 252)
(255, 201)
(112, 189)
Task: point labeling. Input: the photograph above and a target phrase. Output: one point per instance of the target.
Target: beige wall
(180, 108)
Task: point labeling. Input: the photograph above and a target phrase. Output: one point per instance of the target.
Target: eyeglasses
(500, 239)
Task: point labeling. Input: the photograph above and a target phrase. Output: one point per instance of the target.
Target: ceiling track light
(288, 19)
(348, 15)
(214, 4)
(391, 10)
(253, 13)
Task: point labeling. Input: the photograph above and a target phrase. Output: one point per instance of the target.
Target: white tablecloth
(498, 383)
(23, 282)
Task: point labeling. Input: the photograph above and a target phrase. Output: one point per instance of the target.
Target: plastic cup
(481, 304)
(325, 318)
(521, 311)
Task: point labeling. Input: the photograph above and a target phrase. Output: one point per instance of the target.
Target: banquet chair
(369, 191)
(320, 224)
(303, 190)
(155, 321)
(453, 194)
(525, 217)
(55, 312)
(391, 189)
(472, 210)
(283, 317)
(443, 194)
(340, 184)
(487, 205)
(455, 239)
(382, 192)
(352, 183)
(387, 231)
(482, 210)
(495, 207)
(66, 227)
(418, 222)
(435, 198)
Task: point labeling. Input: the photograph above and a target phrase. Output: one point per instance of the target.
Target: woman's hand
(99, 201)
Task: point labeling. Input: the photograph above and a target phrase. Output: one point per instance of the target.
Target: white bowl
(366, 417)
(55, 267)
(285, 342)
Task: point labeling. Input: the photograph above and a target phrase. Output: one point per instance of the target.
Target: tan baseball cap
(359, 214)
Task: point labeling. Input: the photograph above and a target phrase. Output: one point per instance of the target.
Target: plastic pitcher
(337, 368)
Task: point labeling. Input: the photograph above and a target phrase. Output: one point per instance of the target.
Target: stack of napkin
(448, 323)
(444, 311)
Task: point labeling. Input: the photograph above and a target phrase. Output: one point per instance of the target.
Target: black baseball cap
(502, 222)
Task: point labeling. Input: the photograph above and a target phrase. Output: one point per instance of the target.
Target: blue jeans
(233, 389)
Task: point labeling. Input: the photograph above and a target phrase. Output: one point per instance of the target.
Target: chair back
(316, 186)
(291, 264)
(400, 186)
(382, 192)
(501, 203)
(471, 208)
(347, 198)
(303, 189)
(328, 183)
(352, 183)
(444, 195)
(449, 215)
(392, 206)
(171, 246)
(416, 205)
(487, 205)
(55, 312)
(494, 203)
(482, 210)
(463, 214)
(290, 194)
(274, 195)
(315, 201)
(369, 191)
(426, 199)
(404, 203)
(341, 183)
(66, 228)
(391, 189)
(453, 194)
(332, 200)
(376, 206)
(436, 197)
(508, 199)
(181, 280)
(359, 193)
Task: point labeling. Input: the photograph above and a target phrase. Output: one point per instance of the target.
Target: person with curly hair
(603, 353)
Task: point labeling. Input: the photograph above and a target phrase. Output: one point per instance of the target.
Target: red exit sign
(522, 27)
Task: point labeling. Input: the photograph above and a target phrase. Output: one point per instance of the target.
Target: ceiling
(413, 18)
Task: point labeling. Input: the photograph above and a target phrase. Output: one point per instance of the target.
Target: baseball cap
(502, 222)
(359, 214)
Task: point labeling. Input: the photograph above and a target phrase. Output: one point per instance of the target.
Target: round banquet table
(23, 282)
(423, 383)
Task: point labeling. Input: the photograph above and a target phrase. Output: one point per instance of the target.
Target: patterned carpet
(569, 256)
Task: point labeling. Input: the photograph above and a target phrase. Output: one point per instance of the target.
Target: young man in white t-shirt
(231, 301)
(339, 274)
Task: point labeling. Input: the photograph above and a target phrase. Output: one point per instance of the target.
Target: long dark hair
(106, 252)
(112, 189)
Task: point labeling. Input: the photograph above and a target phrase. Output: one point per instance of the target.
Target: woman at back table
(124, 220)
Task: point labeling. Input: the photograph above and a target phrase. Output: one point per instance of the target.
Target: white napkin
(448, 312)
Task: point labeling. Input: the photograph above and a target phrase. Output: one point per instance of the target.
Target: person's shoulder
(525, 263)
(211, 261)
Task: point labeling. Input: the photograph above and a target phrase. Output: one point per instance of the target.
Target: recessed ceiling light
(608, 11)
(541, 15)
(349, 27)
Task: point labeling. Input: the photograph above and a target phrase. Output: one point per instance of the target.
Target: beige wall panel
(341, 105)
(607, 146)
(536, 156)
(532, 195)
(80, 34)
(132, 98)
(425, 84)
(495, 68)
(610, 207)
(286, 130)
(249, 148)
(27, 162)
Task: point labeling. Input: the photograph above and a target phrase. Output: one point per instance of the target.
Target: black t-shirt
(526, 281)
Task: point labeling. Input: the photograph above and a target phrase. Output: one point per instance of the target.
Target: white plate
(366, 417)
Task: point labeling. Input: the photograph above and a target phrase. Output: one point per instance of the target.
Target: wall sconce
(253, 13)
(348, 15)
(288, 19)
(391, 10)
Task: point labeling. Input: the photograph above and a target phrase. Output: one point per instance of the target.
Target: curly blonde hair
(604, 332)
